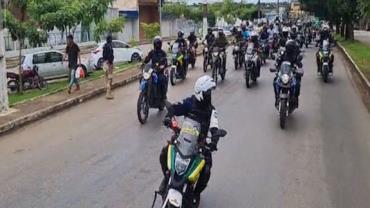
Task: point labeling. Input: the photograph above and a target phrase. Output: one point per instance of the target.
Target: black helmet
(290, 48)
(221, 32)
(192, 33)
(180, 34)
(157, 43)
(209, 30)
(109, 39)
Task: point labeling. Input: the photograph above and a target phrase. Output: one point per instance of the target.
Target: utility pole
(205, 15)
(259, 9)
(278, 9)
(4, 102)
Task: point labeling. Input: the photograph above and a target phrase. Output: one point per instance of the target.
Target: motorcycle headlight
(236, 48)
(146, 75)
(205, 49)
(285, 78)
(181, 164)
(215, 53)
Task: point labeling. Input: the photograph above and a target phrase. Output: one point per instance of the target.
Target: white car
(123, 52)
(50, 64)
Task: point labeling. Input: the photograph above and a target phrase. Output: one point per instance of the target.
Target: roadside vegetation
(360, 53)
(57, 86)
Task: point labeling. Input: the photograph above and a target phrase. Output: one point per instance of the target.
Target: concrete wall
(130, 31)
(170, 27)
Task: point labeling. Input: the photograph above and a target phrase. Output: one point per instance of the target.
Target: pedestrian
(74, 59)
(108, 58)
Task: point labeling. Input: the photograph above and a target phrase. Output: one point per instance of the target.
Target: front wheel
(325, 74)
(173, 76)
(215, 72)
(13, 86)
(205, 64)
(283, 109)
(247, 76)
(142, 108)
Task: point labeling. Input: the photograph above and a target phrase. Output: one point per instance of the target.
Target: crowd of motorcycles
(185, 169)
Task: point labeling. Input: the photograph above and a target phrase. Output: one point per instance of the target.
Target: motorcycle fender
(174, 197)
(170, 157)
(143, 84)
(194, 175)
(283, 96)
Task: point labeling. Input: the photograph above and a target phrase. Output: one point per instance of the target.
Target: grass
(360, 53)
(59, 86)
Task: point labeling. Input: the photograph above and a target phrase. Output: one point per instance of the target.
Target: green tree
(22, 30)
(104, 27)
(151, 30)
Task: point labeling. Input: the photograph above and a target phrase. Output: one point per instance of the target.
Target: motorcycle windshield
(175, 48)
(250, 49)
(286, 68)
(187, 142)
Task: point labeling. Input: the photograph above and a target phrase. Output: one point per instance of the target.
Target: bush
(151, 30)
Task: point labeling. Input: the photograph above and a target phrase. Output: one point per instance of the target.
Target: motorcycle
(251, 65)
(207, 58)
(30, 80)
(265, 50)
(218, 63)
(192, 51)
(150, 92)
(179, 67)
(238, 54)
(300, 40)
(185, 162)
(286, 86)
(325, 56)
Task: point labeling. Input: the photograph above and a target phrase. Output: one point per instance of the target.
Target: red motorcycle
(30, 80)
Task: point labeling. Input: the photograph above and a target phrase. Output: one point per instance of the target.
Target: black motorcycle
(185, 162)
(207, 57)
(150, 92)
(218, 63)
(286, 85)
(192, 52)
(325, 55)
(179, 65)
(238, 54)
(252, 62)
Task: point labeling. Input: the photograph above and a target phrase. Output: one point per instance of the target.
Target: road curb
(24, 120)
(364, 80)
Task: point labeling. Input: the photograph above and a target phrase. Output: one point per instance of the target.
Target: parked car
(123, 52)
(50, 64)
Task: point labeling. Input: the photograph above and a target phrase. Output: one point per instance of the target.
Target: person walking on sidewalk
(74, 59)
(108, 58)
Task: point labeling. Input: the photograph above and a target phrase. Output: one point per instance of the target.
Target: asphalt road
(97, 154)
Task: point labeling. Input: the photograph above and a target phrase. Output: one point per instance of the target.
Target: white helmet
(202, 85)
(254, 33)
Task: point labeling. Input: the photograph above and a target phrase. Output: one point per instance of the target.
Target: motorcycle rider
(324, 35)
(256, 46)
(192, 38)
(199, 108)
(291, 55)
(221, 42)
(159, 56)
(284, 37)
(210, 37)
(245, 32)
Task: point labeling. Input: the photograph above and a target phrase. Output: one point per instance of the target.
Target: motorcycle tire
(215, 72)
(43, 84)
(142, 107)
(325, 76)
(282, 113)
(13, 86)
(223, 74)
(205, 65)
(173, 77)
(236, 64)
(247, 76)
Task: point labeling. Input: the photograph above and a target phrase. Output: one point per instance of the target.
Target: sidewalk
(44, 106)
